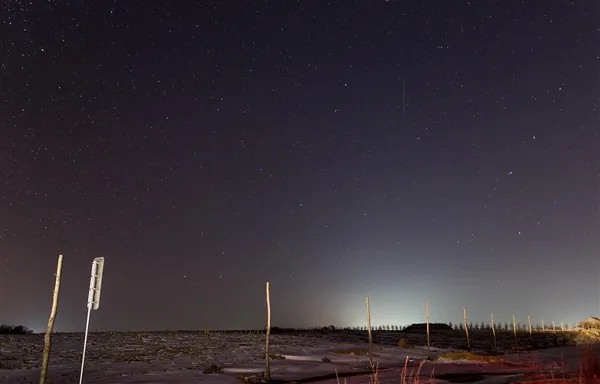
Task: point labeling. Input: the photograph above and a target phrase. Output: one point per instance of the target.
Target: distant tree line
(15, 330)
(499, 326)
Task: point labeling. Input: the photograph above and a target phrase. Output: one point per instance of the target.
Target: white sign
(93, 302)
(96, 283)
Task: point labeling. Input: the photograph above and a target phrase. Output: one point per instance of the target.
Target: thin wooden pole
(267, 352)
(514, 324)
(427, 322)
(494, 332)
(50, 328)
(466, 329)
(369, 331)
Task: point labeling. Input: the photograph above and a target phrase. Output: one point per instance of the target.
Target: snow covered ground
(181, 357)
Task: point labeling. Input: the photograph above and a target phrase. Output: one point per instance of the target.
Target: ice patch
(243, 370)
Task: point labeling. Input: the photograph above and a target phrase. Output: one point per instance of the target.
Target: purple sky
(409, 151)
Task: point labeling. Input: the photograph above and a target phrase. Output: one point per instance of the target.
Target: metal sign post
(93, 302)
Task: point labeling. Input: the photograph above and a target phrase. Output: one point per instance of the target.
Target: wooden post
(369, 331)
(466, 329)
(529, 323)
(494, 332)
(427, 322)
(515, 333)
(543, 328)
(50, 328)
(267, 352)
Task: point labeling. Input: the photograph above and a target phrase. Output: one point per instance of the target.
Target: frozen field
(182, 357)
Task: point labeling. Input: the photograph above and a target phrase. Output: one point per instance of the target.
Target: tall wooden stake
(494, 332)
(466, 329)
(267, 352)
(50, 328)
(515, 333)
(370, 334)
(427, 322)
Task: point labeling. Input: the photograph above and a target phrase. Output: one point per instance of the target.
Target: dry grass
(465, 355)
(589, 371)
(586, 336)
(409, 376)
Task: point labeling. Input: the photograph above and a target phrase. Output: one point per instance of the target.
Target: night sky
(407, 150)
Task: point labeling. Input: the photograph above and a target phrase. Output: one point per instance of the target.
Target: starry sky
(407, 150)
